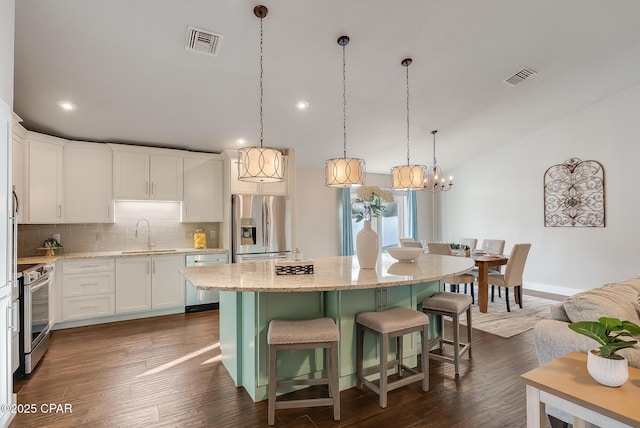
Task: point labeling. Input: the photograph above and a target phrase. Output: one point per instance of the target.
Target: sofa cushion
(615, 300)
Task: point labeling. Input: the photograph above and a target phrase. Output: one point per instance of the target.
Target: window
(392, 225)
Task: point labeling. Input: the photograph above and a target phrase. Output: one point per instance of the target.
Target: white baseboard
(114, 318)
(551, 289)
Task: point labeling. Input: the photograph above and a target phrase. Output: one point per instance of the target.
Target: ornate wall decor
(574, 194)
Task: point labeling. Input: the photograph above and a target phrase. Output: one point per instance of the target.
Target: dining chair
(454, 281)
(491, 246)
(409, 242)
(512, 274)
(472, 243)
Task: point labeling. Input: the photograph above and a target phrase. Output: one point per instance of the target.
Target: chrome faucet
(149, 244)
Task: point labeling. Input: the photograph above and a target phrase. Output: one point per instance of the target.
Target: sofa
(553, 338)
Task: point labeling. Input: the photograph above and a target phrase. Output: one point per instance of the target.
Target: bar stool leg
(425, 357)
(334, 387)
(272, 385)
(359, 355)
(469, 330)
(384, 354)
(400, 346)
(456, 342)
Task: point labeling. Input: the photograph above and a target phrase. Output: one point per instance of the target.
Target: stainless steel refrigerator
(261, 228)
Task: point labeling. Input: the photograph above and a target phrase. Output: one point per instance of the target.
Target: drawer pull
(88, 307)
(89, 283)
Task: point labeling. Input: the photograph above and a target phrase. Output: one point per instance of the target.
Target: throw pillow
(612, 300)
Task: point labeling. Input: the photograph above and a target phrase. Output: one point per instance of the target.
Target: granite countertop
(330, 273)
(125, 253)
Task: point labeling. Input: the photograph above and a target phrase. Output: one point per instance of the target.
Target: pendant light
(435, 182)
(260, 164)
(344, 171)
(408, 177)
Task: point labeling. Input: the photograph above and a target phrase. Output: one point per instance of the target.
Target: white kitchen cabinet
(17, 162)
(15, 337)
(133, 284)
(146, 173)
(167, 284)
(202, 200)
(88, 183)
(44, 163)
(88, 288)
(6, 384)
(238, 187)
(149, 283)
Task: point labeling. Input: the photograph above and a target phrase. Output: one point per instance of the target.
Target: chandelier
(408, 177)
(434, 181)
(344, 171)
(260, 164)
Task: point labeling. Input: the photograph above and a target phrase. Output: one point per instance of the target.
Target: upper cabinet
(202, 201)
(17, 162)
(43, 162)
(147, 173)
(88, 184)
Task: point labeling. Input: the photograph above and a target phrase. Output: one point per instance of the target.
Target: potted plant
(603, 364)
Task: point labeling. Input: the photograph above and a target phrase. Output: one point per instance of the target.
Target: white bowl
(405, 254)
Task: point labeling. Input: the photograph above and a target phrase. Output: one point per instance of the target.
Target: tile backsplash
(164, 218)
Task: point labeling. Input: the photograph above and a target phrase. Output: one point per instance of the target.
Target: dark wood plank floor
(166, 372)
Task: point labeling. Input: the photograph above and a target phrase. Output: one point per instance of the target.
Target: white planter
(367, 246)
(607, 371)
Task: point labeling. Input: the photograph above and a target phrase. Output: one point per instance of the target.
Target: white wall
(319, 213)
(500, 195)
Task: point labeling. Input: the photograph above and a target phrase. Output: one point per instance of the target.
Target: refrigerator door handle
(265, 223)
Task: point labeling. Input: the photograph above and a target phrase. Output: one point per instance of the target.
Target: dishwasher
(203, 300)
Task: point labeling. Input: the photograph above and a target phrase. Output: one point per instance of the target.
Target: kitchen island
(251, 295)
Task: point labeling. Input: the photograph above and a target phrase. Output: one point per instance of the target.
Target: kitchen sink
(148, 251)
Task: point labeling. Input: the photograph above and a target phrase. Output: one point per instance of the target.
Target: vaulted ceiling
(124, 64)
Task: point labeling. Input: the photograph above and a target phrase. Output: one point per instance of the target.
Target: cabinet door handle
(148, 267)
(154, 266)
(153, 188)
(146, 187)
(59, 210)
(10, 318)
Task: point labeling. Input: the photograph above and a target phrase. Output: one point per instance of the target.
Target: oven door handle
(35, 287)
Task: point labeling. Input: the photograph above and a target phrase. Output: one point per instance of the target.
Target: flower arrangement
(369, 203)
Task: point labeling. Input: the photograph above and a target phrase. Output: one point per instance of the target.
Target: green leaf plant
(608, 332)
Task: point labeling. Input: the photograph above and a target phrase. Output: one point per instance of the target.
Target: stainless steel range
(34, 306)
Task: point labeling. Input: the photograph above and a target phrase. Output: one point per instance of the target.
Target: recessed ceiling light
(302, 105)
(241, 140)
(66, 105)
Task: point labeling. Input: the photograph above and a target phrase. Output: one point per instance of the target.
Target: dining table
(483, 262)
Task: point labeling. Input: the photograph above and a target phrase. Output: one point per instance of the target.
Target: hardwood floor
(166, 372)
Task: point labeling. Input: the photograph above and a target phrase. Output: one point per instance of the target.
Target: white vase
(607, 371)
(367, 246)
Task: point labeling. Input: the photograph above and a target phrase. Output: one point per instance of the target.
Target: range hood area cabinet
(141, 173)
(202, 199)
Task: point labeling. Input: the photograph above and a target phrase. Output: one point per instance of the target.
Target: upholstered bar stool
(304, 334)
(389, 324)
(452, 305)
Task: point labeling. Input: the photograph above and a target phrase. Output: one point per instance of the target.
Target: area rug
(506, 324)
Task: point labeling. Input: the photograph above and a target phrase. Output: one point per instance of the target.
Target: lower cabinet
(149, 282)
(88, 289)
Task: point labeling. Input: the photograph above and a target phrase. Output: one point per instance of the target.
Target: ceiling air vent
(520, 76)
(202, 41)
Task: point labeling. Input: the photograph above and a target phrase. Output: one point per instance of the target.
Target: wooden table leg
(483, 287)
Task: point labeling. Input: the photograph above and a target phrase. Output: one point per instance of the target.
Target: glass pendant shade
(408, 177)
(260, 165)
(344, 172)
(435, 181)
